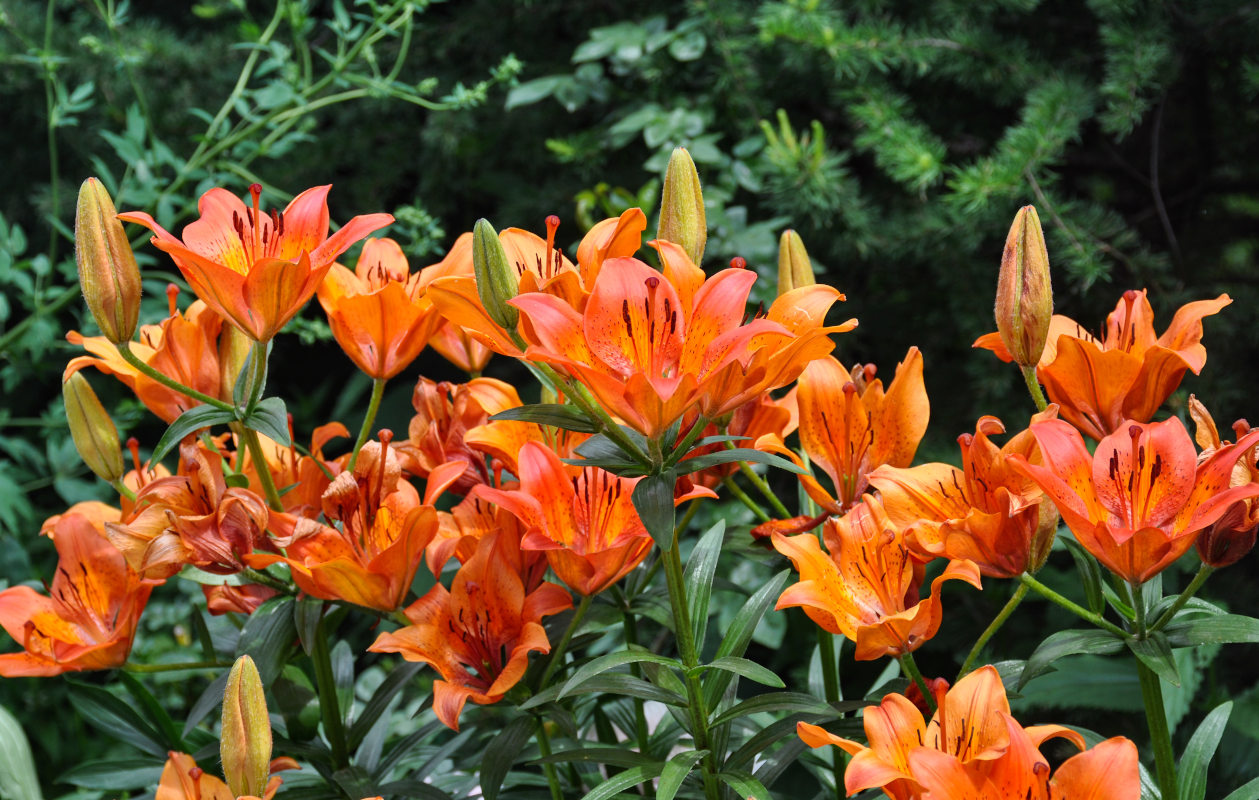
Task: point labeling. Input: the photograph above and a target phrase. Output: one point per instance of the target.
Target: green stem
(329, 707)
(684, 446)
(1138, 606)
(742, 497)
(591, 408)
(640, 716)
(992, 628)
(176, 667)
(830, 686)
(1160, 736)
(544, 747)
(124, 490)
(263, 579)
(1033, 387)
(261, 469)
(910, 668)
(1074, 608)
(557, 655)
(1204, 572)
(131, 358)
(258, 375)
(761, 486)
(373, 406)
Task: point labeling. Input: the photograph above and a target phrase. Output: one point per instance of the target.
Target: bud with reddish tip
(682, 219)
(94, 434)
(794, 267)
(496, 279)
(246, 741)
(1025, 300)
(107, 267)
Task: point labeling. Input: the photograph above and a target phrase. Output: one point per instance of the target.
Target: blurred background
(898, 138)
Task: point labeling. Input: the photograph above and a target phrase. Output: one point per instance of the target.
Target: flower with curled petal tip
(182, 779)
(253, 269)
(1138, 503)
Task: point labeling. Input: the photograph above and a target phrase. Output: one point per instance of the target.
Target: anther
(172, 292)
(738, 262)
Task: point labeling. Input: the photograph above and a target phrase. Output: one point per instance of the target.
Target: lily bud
(1025, 299)
(234, 347)
(496, 279)
(107, 267)
(94, 434)
(246, 742)
(1043, 539)
(682, 218)
(794, 267)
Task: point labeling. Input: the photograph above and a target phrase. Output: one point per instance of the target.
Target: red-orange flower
(301, 479)
(253, 269)
(184, 347)
(866, 588)
(1232, 536)
(986, 512)
(849, 426)
(373, 557)
(378, 313)
(244, 599)
(450, 339)
(973, 749)
(478, 634)
(89, 618)
(1139, 501)
(1100, 384)
(182, 779)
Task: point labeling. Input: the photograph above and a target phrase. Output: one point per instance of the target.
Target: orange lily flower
(184, 347)
(182, 779)
(88, 620)
(973, 748)
(849, 425)
(372, 559)
(581, 517)
(987, 512)
(378, 313)
(540, 267)
(461, 530)
(253, 269)
(1100, 384)
(454, 343)
(244, 599)
(1138, 503)
(478, 634)
(760, 416)
(191, 517)
(866, 588)
(302, 480)
(1232, 535)
(651, 349)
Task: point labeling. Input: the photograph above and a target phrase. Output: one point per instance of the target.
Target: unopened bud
(246, 742)
(682, 218)
(1025, 300)
(496, 279)
(107, 268)
(94, 434)
(794, 267)
(1043, 539)
(234, 347)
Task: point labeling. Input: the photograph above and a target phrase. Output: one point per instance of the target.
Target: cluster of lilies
(644, 369)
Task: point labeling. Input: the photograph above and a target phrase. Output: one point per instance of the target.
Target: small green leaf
(773, 702)
(555, 415)
(738, 454)
(191, 421)
(115, 774)
(153, 711)
(653, 500)
(1156, 653)
(209, 700)
(610, 661)
(1068, 643)
(116, 718)
(1222, 628)
(675, 771)
(393, 683)
(1192, 770)
(1248, 791)
(698, 578)
(748, 669)
(619, 783)
(267, 636)
(502, 753)
(307, 611)
(271, 419)
(745, 785)
(1090, 574)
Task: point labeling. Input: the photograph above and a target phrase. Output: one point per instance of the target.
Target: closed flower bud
(107, 267)
(246, 741)
(1025, 299)
(496, 279)
(794, 267)
(682, 218)
(234, 347)
(1043, 539)
(94, 434)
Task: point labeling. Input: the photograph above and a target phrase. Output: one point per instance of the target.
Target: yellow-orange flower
(378, 313)
(88, 619)
(478, 634)
(866, 588)
(1100, 384)
(253, 269)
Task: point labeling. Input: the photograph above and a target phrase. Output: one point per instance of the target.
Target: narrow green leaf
(209, 700)
(502, 753)
(18, 780)
(616, 756)
(738, 454)
(675, 771)
(1247, 791)
(630, 777)
(1192, 770)
(1222, 628)
(115, 717)
(1090, 574)
(1156, 653)
(653, 500)
(388, 689)
(271, 419)
(191, 421)
(413, 788)
(1068, 643)
(153, 711)
(267, 636)
(698, 578)
(739, 634)
(745, 785)
(196, 621)
(610, 661)
(114, 774)
(307, 611)
(773, 702)
(555, 415)
(621, 683)
(748, 669)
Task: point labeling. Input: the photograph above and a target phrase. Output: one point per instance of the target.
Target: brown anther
(870, 370)
(850, 388)
(965, 440)
(1240, 428)
(738, 262)
(652, 282)
(172, 292)
(1134, 431)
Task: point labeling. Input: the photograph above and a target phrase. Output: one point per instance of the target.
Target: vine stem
(131, 358)
(557, 655)
(910, 668)
(373, 406)
(992, 628)
(1200, 578)
(1074, 608)
(1033, 387)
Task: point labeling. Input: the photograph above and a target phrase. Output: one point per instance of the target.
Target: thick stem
(992, 628)
(1204, 572)
(1074, 608)
(557, 655)
(131, 358)
(544, 747)
(1033, 388)
(910, 668)
(373, 406)
(1160, 736)
(329, 707)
